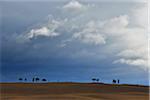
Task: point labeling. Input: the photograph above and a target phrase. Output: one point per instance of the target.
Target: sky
(74, 40)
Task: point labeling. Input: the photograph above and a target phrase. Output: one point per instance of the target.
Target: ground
(72, 91)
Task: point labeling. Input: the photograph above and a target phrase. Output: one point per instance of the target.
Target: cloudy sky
(75, 40)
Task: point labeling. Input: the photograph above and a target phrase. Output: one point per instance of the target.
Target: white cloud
(134, 57)
(73, 5)
(131, 41)
(96, 32)
(44, 31)
(131, 54)
(133, 62)
(90, 38)
(119, 21)
(90, 35)
(139, 16)
(47, 30)
(115, 26)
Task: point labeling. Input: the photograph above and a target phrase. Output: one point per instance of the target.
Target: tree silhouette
(37, 79)
(114, 81)
(93, 79)
(44, 80)
(25, 79)
(33, 80)
(97, 80)
(20, 79)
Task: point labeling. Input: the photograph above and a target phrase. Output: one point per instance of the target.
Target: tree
(97, 80)
(44, 80)
(114, 81)
(33, 79)
(20, 79)
(37, 79)
(25, 79)
(93, 79)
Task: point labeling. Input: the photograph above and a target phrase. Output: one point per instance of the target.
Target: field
(72, 91)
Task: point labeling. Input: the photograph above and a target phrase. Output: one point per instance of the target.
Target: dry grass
(72, 91)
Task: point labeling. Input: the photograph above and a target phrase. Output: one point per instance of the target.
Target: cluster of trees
(95, 79)
(33, 79)
(22, 79)
(113, 81)
(38, 79)
(116, 81)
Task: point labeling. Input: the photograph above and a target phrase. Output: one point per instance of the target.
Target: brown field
(72, 91)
